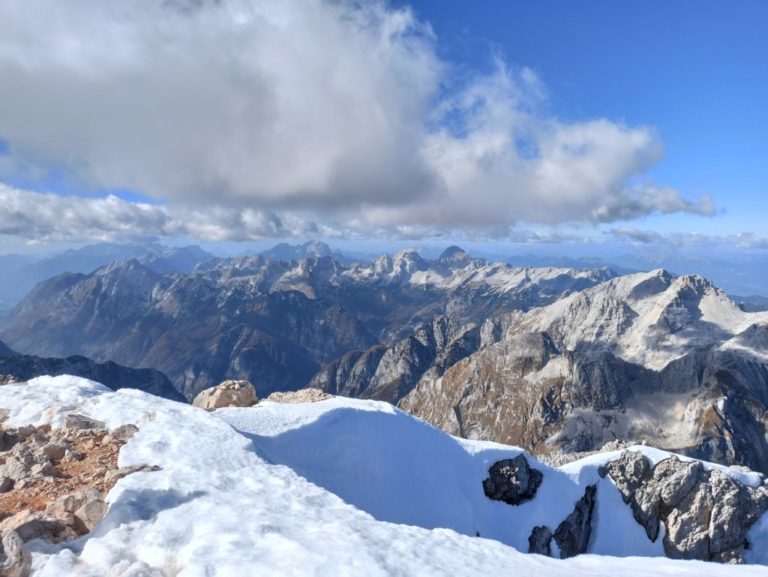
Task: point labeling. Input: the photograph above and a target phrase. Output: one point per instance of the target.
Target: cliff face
(647, 357)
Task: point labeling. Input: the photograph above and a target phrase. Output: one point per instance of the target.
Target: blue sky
(696, 71)
(642, 123)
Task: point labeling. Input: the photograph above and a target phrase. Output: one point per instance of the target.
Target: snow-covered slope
(645, 318)
(335, 488)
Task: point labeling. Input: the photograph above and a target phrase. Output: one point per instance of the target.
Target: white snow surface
(651, 319)
(335, 488)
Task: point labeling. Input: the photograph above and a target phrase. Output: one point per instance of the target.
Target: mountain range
(273, 322)
(647, 357)
(23, 272)
(560, 361)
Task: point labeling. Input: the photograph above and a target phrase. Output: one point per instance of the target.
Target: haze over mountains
(273, 322)
(22, 272)
(560, 361)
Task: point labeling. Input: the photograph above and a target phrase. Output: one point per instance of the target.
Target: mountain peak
(310, 249)
(454, 256)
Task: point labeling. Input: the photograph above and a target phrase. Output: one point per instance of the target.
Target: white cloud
(744, 240)
(233, 112)
(45, 217)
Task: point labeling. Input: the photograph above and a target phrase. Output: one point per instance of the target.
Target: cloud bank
(254, 119)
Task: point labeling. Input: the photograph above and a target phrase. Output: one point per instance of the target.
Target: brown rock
(301, 396)
(124, 433)
(35, 525)
(75, 423)
(227, 394)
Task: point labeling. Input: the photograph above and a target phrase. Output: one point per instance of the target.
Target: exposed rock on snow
(302, 396)
(31, 525)
(512, 481)
(707, 514)
(15, 560)
(572, 535)
(540, 541)
(232, 393)
(81, 510)
(79, 424)
(53, 482)
(124, 433)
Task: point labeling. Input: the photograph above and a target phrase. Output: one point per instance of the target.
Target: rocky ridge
(53, 483)
(275, 323)
(647, 357)
(26, 367)
(329, 451)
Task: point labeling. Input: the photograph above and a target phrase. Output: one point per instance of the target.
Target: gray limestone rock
(572, 535)
(512, 481)
(707, 513)
(540, 541)
(75, 423)
(15, 560)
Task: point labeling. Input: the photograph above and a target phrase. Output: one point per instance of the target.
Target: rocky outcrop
(572, 535)
(653, 358)
(81, 510)
(512, 481)
(229, 393)
(15, 559)
(31, 525)
(301, 396)
(53, 484)
(389, 373)
(540, 541)
(707, 513)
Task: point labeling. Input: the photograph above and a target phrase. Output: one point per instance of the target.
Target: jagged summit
(273, 322)
(454, 256)
(642, 356)
(309, 249)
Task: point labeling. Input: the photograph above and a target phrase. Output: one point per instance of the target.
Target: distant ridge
(25, 367)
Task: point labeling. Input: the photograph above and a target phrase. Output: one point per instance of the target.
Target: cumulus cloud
(46, 217)
(272, 115)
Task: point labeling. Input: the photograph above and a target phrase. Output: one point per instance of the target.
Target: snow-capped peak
(649, 318)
